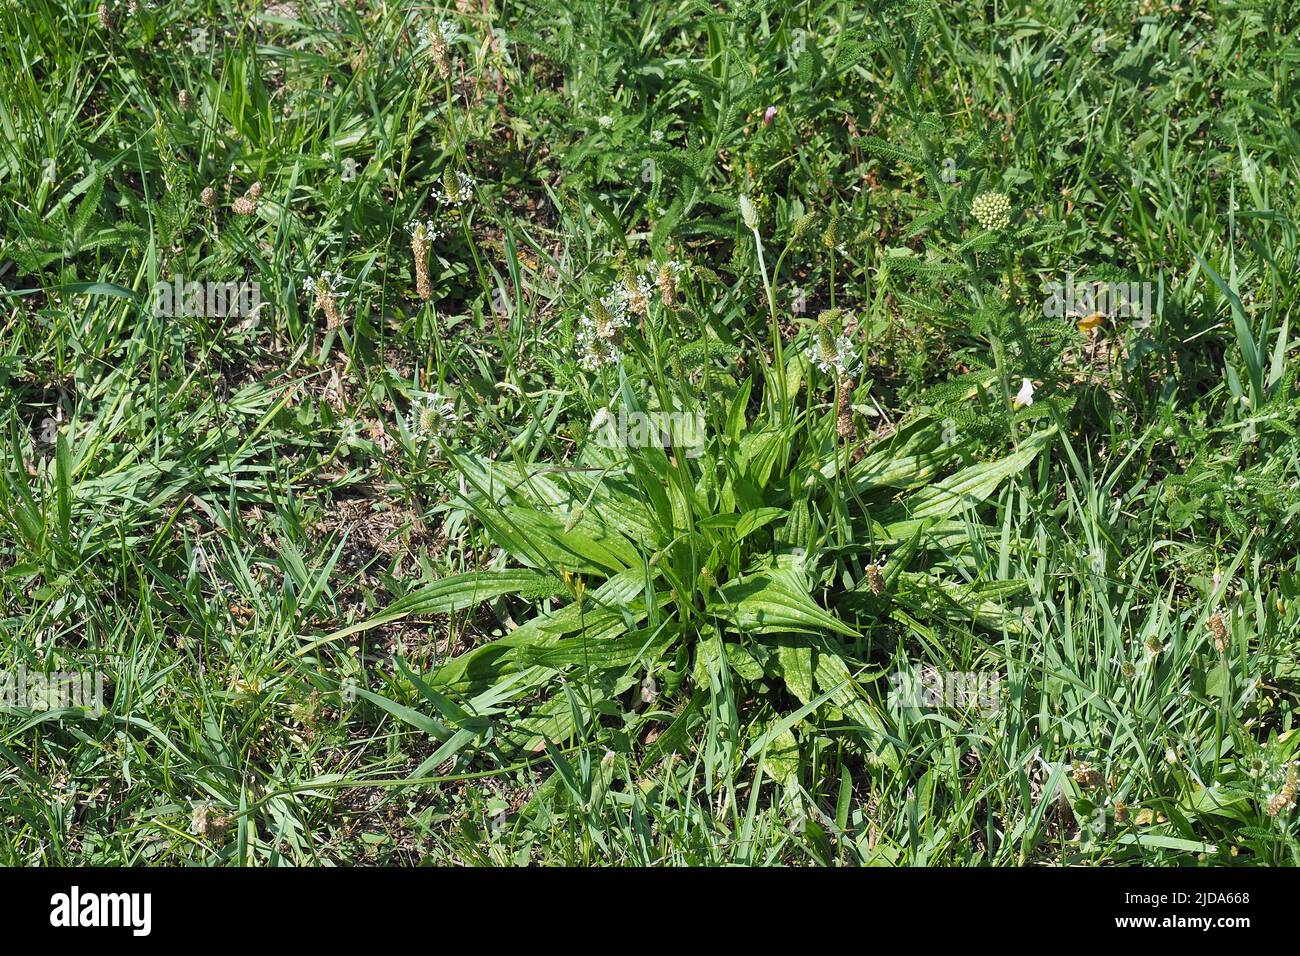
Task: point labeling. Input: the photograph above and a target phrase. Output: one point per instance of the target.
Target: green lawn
(577, 432)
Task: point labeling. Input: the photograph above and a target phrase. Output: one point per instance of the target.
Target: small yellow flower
(1090, 322)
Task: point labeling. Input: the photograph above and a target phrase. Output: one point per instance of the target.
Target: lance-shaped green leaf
(772, 601)
(452, 594)
(970, 486)
(604, 614)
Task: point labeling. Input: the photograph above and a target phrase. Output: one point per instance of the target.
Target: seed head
(1085, 775)
(636, 292)
(667, 283)
(665, 277)
(207, 823)
(831, 234)
(876, 577)
(456, 189)
(844, 411)
(423, 233)
(436, 37)
(748, 213)
(832, 353)
(246, 204)
(600, 330)
(1286, 796)
(1220, 632)
(323, 286)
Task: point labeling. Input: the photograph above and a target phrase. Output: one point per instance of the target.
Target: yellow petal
(1090, 322)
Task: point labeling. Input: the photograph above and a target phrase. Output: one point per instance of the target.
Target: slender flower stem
(778, 351)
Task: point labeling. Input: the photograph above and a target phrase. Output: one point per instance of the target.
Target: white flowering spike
(455, 190)
(425, 230)
(324, 284)
(1026, 394)
(430, 415)
(600, 332)
(436, 36)
(833, 354)
(748, 213)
